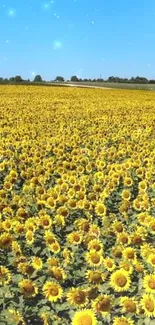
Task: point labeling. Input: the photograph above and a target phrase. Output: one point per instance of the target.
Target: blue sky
(77, 37)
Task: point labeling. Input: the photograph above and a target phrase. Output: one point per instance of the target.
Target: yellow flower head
(102, 305)
(123, 321)
(28, 288)
(5, 275)
(52, 291)
(149, 283)
(77, 297)
(148, 305)
(120, 281)
(84, 317)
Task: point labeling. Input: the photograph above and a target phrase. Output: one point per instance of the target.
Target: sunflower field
(77, 206)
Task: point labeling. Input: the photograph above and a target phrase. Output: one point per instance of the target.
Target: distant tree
(1, 79)
(12, 79)
(85, 80)
(18, 79)
(59, 79)
(37, 78)
(152, 81)
(6, 80)
(132, 80)
(28, 80)
(100, 80)
(111, 79)
(74, 78)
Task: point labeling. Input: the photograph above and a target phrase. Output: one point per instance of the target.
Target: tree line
(112, 79)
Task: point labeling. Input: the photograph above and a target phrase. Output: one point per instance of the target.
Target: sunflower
(100, 209)
(84, 317)
(137, 204)
(45, 221)
(149, 283)
(5, 275)
(28, 288)
(129, 305)
(55, 247)
(37, 263)
(16, 317)
(49, 237)
(95, 277)
(123, 238)
(59, 220)
(5, 240)
(123, 321)
(151, 259)
(96, 245)
(29, 237)
(52, 261)
(7, 225)
(117, 226)
(126, 195)
(58, 273)
(94, 258)
(16, 248)
(63, 211)
(72, 204)
(109, 264)
(120, 280)
(51, 204)
(74, 238)
(126, 266)
(128, 181)
(77, 297)
(138, 267)
(142, 186)
(129, 254)
(52, 291)
(102, 305)
(148, 305)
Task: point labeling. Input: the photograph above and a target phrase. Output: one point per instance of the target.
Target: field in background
(116, 85)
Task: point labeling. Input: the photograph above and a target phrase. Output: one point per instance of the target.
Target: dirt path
(79, 86)
(84, 86)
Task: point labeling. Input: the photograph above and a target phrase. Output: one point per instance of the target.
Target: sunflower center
(131, 255)
(58, 274)
(130, 306)
(109, 264)
(46, 222)
(149, 305)
(76, 238)
(119, 228)
(54, 291)
(85, 320)
(121, 281)
(153, 260)
(101, 209)
(151, 284)
(118, 253)
(55, 247)
(124, 240)
(86, 227)
(6, 242)
(96, 277)
(95, 258)
(103, 305)
(29, 288)
(123, 322)
(97, 247)
(80, 297)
